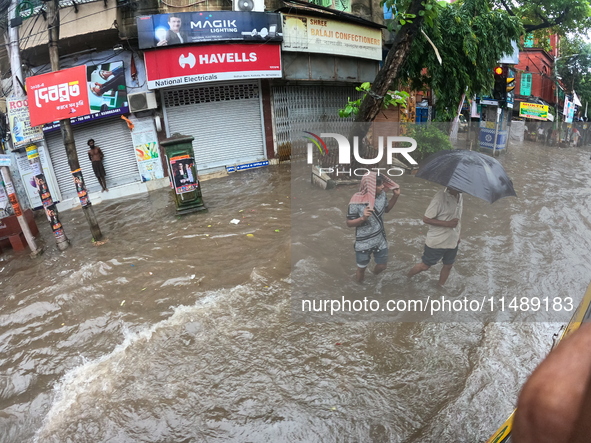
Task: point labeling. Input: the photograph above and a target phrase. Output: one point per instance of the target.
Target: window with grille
(208, 94)
(525, 86)
(343, 5)
(325, 3)
(528, 42)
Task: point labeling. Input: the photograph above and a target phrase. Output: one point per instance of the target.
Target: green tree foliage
(391, 98)
(552, 16)
(429, 140)
(573, 67)
(471, 38)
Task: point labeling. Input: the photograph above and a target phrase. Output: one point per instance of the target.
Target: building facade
(535, 77)
(243, 79)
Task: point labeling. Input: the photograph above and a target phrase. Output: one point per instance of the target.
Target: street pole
(499, 111)
(455, 123)
(5, 172)
(16, 207)
(53, 21)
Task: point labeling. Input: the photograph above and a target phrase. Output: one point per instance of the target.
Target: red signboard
(58, 95)
(183, 65)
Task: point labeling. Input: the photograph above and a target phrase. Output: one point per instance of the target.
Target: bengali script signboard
(58, 95)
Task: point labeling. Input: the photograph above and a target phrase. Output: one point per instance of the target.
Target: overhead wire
(30, 27)
(67, 22)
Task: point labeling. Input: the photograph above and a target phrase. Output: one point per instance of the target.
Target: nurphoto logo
(391, 147)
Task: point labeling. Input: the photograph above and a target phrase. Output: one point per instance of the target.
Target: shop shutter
(113, 137)
(525, 86)
(298, 108)
(224, 119)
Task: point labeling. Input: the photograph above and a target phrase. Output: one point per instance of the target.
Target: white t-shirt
(446, 207)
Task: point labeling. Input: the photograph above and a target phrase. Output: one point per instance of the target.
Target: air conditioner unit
(249, 5)
(142, 101)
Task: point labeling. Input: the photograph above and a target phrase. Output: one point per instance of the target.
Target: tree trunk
(372, 103)
(65, 125)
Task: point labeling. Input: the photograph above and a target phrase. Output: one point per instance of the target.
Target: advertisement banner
(569, 111)
(43, 190)
(197, 64)
(21, 131)
(145, 142)
(107, 93)
(53, 218)
(81, 188)
(58, 95)
(533, 110)
(4, 204)
(29, 172)
(13, 199)
(319, 35)
(182, 170)
(198, 27)
(32, 152)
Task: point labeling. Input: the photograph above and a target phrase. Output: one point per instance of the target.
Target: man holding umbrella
(460, 171)
(443, 217)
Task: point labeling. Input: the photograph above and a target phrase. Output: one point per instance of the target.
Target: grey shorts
(431, 256)
(380, 256)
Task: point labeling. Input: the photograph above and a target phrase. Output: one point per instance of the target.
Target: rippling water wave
(183, 328)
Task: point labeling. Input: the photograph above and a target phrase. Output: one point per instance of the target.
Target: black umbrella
(468, 171)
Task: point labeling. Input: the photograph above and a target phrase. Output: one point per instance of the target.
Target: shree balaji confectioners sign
(183, 65)
(57, 95)
(324, 36)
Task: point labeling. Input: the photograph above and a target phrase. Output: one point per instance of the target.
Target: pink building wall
(540, 64)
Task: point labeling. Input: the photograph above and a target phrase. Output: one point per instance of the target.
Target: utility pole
(4, 171)
(53, 21)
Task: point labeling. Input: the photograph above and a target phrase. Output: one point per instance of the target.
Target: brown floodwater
(183, 329)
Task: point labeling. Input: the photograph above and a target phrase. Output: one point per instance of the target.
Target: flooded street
(183, 329)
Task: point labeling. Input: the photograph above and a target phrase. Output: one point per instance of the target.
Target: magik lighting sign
(390, 144)
(183, 28)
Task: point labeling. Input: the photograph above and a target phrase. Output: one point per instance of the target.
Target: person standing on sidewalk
(365, 213)
(443, 217)
(96, 157)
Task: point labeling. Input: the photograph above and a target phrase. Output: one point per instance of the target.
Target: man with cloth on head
(443, 217)
(365, 213)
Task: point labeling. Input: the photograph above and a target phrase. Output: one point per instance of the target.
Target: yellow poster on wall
(533, 110)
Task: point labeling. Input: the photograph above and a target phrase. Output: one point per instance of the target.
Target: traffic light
(510, 84)
(500, 86)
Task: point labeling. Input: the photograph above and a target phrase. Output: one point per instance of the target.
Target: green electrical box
(183, 174)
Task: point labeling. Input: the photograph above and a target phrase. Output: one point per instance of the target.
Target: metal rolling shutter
(225, 120)
(297, 108)
(113, 137)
